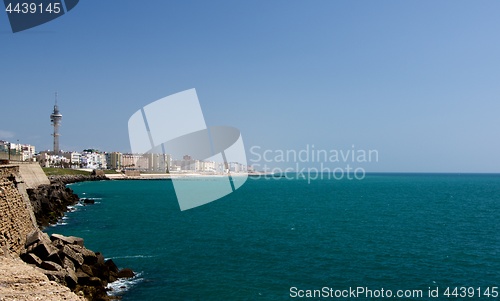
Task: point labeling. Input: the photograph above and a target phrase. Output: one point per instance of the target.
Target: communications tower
(56, 118)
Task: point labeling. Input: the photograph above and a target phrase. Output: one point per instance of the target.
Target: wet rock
(125, 273)
(88, 202)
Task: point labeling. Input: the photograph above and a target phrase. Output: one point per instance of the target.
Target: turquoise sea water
(390, 231)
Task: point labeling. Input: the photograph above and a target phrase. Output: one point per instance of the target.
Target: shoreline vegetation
(63, 259)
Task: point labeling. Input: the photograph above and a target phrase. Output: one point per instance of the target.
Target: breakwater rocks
(50, 202)
(68, 179)
(66, 260)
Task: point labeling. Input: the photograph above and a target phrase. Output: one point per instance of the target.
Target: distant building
(158, 162)
(93, 159)
(16, 151)
(114, 160)
(48, 159)
(135, 162)
(74, 158)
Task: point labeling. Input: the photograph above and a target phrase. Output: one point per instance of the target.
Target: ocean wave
(121, 286)
(132, 256)
(59, 223)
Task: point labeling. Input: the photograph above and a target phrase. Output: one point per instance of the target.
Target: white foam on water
(121, 286)
(133, 256)
(59, 223)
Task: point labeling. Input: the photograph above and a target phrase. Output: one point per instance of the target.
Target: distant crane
(56, 118)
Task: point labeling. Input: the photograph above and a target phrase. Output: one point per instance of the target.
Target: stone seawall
(16, 214)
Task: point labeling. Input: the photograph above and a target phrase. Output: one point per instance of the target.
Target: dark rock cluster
(65, 259)
(68, 179)
(50, 202)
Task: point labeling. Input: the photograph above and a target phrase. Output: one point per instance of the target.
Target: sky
(417, 81)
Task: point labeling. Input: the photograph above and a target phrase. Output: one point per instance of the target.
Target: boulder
(87, 270)
(125, 273)
(77, 258)
(43, 249)
(83, 278)
(89, 257)
(71, 278)
(33, 237)
(57, 276)
(67, 240)
(54, 257)
(100, 258)
(68, 264)
(111, 266)
(31, 259)
(51, 266)
(77, 240)
(95, 281)
(88, 202)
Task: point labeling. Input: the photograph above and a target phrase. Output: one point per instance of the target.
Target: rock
(94, 281)
(43, 249)
(88, 202)
(54, 257)
(71, 278)
(83, 278)
(66, 240)
(77, 258)
(87, 270)
(33, 238)
(59, 244)
(51, 266)
(100, 258)
(78, 240)
(57, 276)
(31, 259)
(68, 264)
(126, 273)
(111, 266)
(89, 257)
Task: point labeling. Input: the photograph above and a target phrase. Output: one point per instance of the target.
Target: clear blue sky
(416, 80)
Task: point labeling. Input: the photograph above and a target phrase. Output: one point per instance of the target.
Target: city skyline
(414, 81)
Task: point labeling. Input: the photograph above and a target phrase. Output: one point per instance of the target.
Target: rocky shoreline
(63, 259)
(50, 202)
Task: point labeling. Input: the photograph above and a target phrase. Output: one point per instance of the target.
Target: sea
(397, 236)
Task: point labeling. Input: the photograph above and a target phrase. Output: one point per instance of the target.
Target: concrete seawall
(33, 175)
